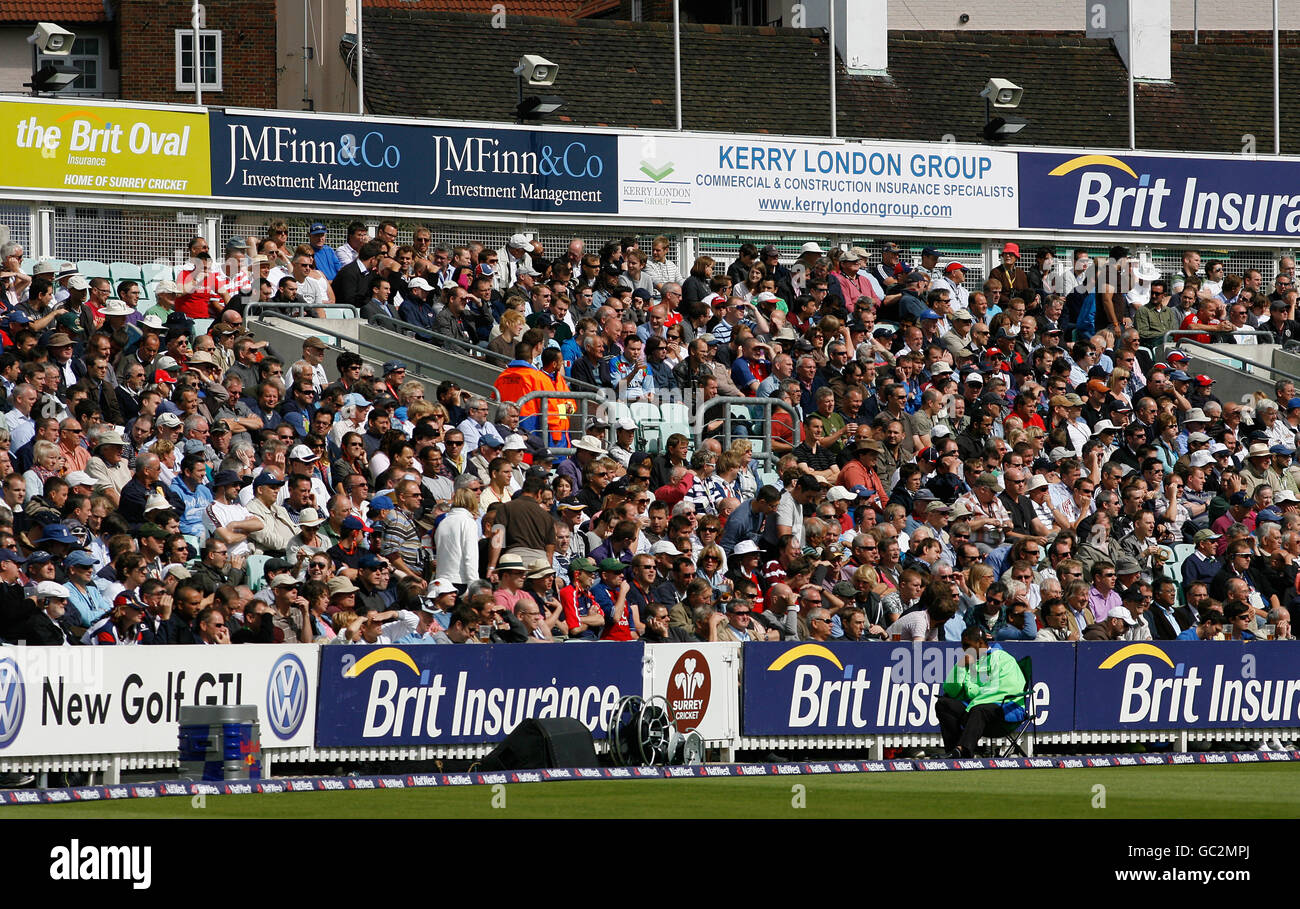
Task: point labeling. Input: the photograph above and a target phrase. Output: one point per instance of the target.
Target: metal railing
(435, 337)
(576, 422)
(766, 406)
(477, 351)
(255, 309)
(1220, 352)
(1192, 332)
(427, 368)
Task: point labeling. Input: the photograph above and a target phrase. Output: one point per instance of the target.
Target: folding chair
(1014, 731)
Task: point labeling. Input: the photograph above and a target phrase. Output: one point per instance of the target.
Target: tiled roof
(620, 74)
(60, 11)
(611, 73)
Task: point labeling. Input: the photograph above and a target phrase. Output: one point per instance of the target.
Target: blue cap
(1239, 498)
(491, 440)
(356, 399)
(1179, 376)
(1269, 514)
(393, 366)
(381, 502)
(38, 557)
(370, 560)
(317, 228)
(8, 555)
(930, 251)
(1293, 404)
(79, 558)
(930, 314)
(266, 479)
(352, 522)
(58, 533)
(194, 446)
(860, 491)
(19, 316)
(1282, 450)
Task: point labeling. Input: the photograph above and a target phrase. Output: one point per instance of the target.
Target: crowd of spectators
(1006, 456)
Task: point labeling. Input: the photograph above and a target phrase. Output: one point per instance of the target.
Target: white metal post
(361, 66)
(677, 60)
(830, 32)
(198, 69)
(1277, 108)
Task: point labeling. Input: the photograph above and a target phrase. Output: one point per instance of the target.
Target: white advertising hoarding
(746, 179)
(121, 700)
(701, 683)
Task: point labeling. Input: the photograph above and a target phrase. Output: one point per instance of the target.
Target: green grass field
(1221, 791)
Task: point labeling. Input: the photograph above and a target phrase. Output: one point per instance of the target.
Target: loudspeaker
(537, 744)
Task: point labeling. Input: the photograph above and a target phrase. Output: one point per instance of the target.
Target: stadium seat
(1171, 558)
(124, 271)
(256, 567)
(201, 326)
(644, 412)
(611, 411)
(147, 300)
(674, 412)
(27, 265)
(92, 269)
(153, 272)
(768, 477)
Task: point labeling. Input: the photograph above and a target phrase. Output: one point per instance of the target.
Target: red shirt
(198, 304)
(1191, 322)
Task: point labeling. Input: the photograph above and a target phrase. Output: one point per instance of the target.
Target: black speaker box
(537, 744)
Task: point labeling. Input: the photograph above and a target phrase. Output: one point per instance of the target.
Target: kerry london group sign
(320, 159)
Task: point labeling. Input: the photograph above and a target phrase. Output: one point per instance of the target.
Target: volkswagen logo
(286, 696)
(13, 701)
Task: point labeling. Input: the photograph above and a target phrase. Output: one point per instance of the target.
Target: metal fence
(754, 415)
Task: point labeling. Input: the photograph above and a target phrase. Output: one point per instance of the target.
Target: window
(85, 59)
(209, 59)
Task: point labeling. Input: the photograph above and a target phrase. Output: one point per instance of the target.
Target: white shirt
(314, 292)
(219, 515)
(21, 429)
(472, 431)
(456, 542)
(345, 253)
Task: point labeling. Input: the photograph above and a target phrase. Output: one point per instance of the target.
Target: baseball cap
(266, 479)
(1121, 612)
(316, 229)
(51, 589)
(302, 453)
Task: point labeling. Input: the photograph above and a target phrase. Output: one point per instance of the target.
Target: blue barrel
(220, 743)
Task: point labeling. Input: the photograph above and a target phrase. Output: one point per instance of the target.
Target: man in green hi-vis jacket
(974, 691)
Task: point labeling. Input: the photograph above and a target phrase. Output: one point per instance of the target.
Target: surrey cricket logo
(688, 689)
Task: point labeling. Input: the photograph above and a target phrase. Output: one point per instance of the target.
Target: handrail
(1192, 332)
(253, 310)
(476, 350)
(1264, 367)
(428, 334)
(769, 455)
(544, 415)
(490, 390)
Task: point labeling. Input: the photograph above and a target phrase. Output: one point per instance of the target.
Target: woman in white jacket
(457, 541)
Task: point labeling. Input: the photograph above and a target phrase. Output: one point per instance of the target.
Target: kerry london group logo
(689, 686)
